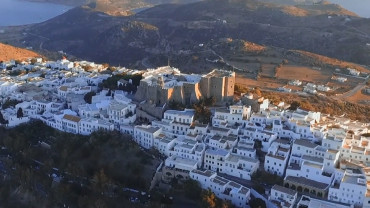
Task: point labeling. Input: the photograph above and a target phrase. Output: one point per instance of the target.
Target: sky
(360, 7)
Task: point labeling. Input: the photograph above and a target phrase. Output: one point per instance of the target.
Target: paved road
(352, 92)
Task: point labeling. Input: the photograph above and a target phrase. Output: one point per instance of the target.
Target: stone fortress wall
(168, 84)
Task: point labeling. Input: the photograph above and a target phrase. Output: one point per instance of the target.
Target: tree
(259, 188)
(10, 103)
(88, 97)
(210, 101)
(209, 199)
(227, 204)
(294, 105)
(105, 65)
(109, 93)
(20, 113)
(257, 203)
(18, 62)
(173, 105)
(192, 189)
(202, 113)
(257, 90)
(101, 181)
(33, 61)
(2, 120)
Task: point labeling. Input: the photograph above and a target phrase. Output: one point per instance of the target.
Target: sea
(21, 12)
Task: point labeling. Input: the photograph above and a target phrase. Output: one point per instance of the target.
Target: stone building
(166, 84)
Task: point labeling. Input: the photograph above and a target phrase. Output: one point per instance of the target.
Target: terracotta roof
(72, 118)
(63, 88)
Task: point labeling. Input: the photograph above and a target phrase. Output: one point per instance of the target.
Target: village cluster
(323, 159)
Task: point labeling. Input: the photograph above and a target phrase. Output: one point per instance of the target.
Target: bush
(257, 203)
(88, 97)
(192, 189)
(10, 103)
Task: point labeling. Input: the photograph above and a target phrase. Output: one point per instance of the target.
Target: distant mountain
(292, 2)
(123, 7)
(116, 7)
(172, 30)
(8, 53)
(64, 2)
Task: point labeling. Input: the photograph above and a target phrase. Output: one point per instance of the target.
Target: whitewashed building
(225, 189)
(277, 157)
(283, 197)
(351, 190)
(144, 135)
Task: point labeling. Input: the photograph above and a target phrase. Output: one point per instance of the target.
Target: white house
(179, 121)
(237, 194)
(222, 142)
(222, 161)
(245, 150)
(239, 166)
(235, 114)
(89, 125)
(60, 64)
(10, 115)
(353, 72)
(277, 157)
(351, 190)
(88, 111)
(120, 113)
(214, 159)
(295, 82)
(187, 148)
(309, 202)
(323, 88)
(186, 116)
(70, 123)
(284, 197)
(144, 135)
(180, 163)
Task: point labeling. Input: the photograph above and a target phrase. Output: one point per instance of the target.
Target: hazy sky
(360, 7)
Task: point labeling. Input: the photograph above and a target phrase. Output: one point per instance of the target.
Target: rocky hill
(65, 2)
(178, 31)
(8, 52)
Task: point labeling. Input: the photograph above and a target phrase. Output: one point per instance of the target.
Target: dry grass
(263, 83)
(360, 97)
(324, 60)
(268, 70)
(295, 11)
(252, 47)
(303, 73)
(323, 104)
(8, 52)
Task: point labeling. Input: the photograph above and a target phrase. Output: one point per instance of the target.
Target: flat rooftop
(220, 152)
(148, 129)
(206, 173)
(307, 182)
(284, 190)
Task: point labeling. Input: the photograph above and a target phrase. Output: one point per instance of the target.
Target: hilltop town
(200, 130)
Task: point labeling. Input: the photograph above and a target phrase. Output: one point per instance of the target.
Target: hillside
(174, 31)
(8, 52)
(64, 2)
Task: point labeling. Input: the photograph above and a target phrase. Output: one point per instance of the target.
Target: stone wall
(229, 87)
(221, 88)
(205, 86)
(149, 111)
(217, 88)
